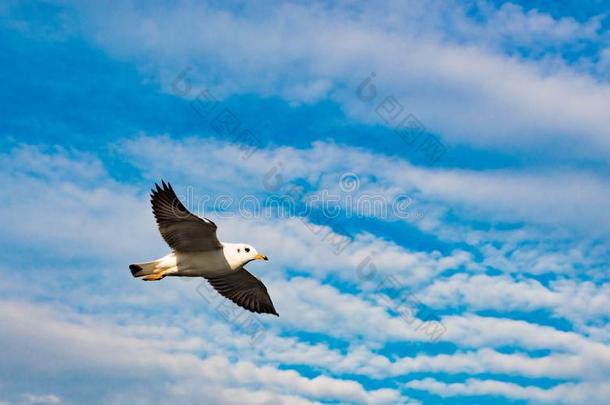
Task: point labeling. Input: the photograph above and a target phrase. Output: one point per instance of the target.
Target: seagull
(197, 252)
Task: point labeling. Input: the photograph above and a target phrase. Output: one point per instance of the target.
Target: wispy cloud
(481, 96)
(505, 245)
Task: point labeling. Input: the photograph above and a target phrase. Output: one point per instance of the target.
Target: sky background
(482, 132)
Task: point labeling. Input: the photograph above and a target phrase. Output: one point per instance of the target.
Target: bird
(197, 252)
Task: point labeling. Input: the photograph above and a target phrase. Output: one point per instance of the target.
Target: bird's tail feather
(144, 269)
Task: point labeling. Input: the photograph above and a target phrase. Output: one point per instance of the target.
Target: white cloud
(168, 344)
(41, 399)
(563, 393)
(579, 199)
(302, 249)
(576, 301)
(323, 308)
(465, 91)
(90, 221)
(469, 330)
(44, 341)
(510, 25)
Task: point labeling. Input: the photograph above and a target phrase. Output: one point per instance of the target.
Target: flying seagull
(197, 252)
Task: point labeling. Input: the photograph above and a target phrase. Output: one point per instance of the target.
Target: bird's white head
(240, 253)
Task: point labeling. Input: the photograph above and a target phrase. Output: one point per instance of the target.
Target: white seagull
(197, 252)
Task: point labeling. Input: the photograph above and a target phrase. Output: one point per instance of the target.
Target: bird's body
(210, 263)
(197, 252)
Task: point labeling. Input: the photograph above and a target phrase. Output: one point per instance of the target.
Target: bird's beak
(260, 257)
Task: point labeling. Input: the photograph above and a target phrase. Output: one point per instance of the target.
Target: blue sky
(466, 260)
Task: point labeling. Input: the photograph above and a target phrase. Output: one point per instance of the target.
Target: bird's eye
(238, 250)
(247, 250)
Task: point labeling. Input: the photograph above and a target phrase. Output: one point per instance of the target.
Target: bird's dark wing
(183, 231)
(245, 290)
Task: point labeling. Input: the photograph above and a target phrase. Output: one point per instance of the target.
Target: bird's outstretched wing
(245, 290)
(183, 231)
